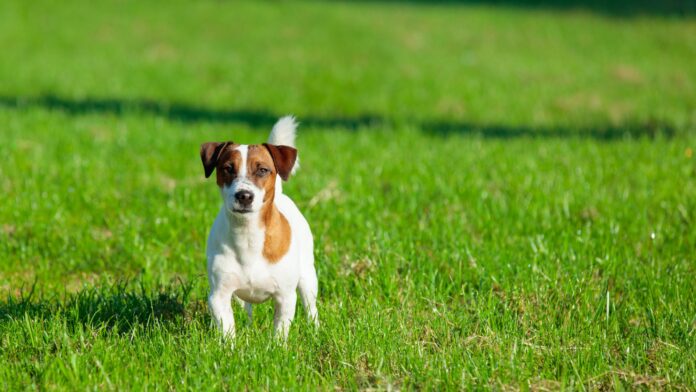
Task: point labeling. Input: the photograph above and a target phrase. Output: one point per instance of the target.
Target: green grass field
(502, 196)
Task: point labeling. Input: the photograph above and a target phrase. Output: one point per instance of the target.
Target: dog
(260, 245)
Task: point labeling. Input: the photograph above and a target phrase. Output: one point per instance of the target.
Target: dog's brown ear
(210, 152)
(283, 158)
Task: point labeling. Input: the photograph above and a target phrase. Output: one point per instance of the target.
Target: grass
(502, 197)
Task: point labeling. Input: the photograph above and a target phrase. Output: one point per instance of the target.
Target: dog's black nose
(244, 198)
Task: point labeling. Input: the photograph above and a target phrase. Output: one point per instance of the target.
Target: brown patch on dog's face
(228, 165)
(261, 171)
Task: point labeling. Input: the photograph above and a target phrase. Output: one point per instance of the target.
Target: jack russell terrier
(260, 245)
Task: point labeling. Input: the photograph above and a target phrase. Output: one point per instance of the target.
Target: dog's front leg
(221, 310)
(284, 313)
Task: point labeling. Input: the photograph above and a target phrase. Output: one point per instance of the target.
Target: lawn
(502, 195)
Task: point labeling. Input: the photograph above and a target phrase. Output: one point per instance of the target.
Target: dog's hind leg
(246, 306)
(309, 288)
(284, 313)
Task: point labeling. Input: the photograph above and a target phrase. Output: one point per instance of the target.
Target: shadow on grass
(615, 8)
(265, 119)
(119, 306)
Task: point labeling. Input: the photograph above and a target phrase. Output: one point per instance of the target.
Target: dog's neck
(265, 231)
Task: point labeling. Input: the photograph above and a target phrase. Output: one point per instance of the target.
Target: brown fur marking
(278, 234)
(229, 157)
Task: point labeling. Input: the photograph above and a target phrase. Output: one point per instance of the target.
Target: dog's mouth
(237, 210)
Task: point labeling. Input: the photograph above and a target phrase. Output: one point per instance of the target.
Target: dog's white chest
(251, 280)
(256, 283)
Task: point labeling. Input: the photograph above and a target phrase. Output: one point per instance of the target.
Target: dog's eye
(229, 169)
(262, 172)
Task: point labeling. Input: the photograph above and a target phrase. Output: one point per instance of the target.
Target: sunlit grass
(500, 197)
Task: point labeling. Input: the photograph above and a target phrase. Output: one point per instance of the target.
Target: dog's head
(246, 174)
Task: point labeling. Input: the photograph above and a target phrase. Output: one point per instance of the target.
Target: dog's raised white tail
(283, 132)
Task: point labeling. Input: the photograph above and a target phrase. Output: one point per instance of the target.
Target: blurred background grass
(445, 63)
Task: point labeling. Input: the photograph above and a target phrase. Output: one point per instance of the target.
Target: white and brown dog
(260, 245)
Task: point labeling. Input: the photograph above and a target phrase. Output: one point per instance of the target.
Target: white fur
(236, 265)
(284, 132)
